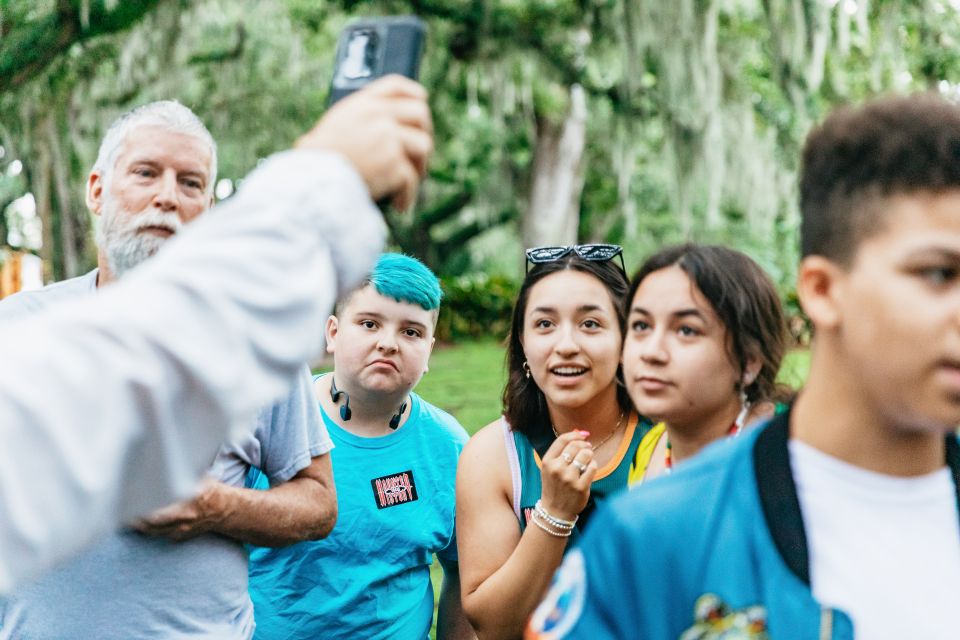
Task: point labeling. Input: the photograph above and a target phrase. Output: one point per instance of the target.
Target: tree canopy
(635, 121)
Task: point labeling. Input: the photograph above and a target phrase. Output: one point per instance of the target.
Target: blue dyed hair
(406, 279)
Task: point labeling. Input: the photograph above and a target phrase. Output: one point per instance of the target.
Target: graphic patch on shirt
(394, 489)
(558, 613)
(715, 620)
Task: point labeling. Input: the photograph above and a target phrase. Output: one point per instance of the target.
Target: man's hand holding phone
(385, 130)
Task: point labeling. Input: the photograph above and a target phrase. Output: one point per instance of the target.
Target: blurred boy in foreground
(840, 517)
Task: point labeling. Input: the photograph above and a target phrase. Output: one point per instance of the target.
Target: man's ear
(820, 288)
(330, 333)
(95, 192)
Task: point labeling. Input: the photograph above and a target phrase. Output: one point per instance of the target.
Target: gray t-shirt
(135, 586)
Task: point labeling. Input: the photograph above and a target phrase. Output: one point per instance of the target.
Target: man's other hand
(186, 520)
(385, 130)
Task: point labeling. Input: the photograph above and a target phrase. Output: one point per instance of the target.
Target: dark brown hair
(745, 300)
(857, 157)
(524, 404)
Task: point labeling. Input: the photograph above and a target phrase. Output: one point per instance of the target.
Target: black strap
(778, 491)
(778, 495)
(953, 461)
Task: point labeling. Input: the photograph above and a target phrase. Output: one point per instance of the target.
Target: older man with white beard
(181, 572)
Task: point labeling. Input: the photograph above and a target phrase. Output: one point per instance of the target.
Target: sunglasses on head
(591, 252)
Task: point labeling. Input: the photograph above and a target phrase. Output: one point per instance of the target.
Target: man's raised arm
(193, 342)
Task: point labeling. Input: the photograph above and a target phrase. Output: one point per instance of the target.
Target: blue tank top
(525, 471)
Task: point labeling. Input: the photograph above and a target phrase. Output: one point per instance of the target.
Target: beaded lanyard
(732, 432)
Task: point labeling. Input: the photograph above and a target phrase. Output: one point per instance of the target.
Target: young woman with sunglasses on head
(527, 483)
(705, 338)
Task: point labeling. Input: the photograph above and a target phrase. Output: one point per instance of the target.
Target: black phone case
(397, 48)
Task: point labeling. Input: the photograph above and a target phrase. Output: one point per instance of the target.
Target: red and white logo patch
(394, 489)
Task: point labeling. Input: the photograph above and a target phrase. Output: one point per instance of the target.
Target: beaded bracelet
(566, 525)
(546, 517)
(558, 534)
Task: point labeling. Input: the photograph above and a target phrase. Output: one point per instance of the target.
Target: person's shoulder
(484, 467)
(680, 498)
(27, 302)
(486, 453)
(21, 304)
(440, 422)
(295, 405)
(486, 440)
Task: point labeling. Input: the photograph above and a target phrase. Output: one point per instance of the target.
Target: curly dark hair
(859, 156)
(524, 404)
(745, 300)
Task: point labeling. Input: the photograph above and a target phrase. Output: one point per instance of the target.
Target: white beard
(122, 239)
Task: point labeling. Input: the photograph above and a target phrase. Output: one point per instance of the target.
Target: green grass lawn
(466, 380)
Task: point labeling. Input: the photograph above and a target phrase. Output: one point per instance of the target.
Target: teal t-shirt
(370, 578)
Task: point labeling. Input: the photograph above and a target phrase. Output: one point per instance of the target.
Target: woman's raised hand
(566, 471)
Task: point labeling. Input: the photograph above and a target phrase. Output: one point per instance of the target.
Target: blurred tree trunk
(4, 228)
(41, 181)
(68, 264)
(557, 177)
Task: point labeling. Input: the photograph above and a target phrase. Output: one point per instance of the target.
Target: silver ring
(580, 466)
(566, 457)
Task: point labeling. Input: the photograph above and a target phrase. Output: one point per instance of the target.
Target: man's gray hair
(168, 114)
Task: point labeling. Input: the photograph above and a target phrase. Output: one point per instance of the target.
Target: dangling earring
(744, 412)
(526, 369)
(739, 423)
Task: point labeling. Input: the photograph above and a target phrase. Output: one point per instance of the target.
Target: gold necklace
(602, 442)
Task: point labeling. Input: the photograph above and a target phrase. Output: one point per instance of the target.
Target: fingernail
(585, 434)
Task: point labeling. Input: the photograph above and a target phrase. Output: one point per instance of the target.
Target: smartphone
(374, 47)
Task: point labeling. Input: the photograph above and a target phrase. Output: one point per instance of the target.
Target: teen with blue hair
(394, 466)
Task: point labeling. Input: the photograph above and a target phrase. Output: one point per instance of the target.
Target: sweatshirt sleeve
(113, 405)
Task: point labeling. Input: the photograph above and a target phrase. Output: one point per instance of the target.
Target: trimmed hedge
(476, 306)
(479, 305)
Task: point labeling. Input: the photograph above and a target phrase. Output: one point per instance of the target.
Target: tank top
(644, 453)
(650, 440)
(525, 471)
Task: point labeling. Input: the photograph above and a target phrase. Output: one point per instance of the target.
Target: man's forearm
(295, 511)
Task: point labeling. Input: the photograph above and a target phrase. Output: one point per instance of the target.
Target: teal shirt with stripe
(600, 489)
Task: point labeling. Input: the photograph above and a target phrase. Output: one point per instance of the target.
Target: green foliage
(800, 326)
(466, 380)
(476, 306)
(696, 108)
(795, 368)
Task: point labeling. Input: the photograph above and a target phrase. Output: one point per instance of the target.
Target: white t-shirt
(884, 549)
